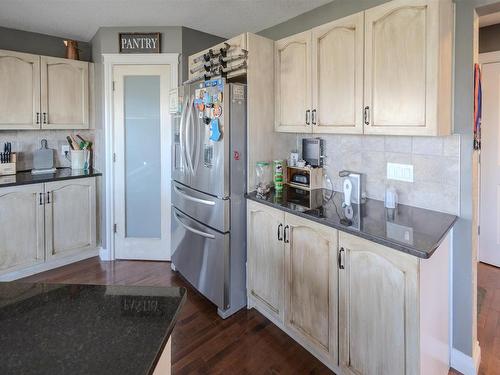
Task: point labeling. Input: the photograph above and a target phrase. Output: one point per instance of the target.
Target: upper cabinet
(43, 92)
(65, 93)
(19, 90)
(383, 71)
(337, 76)
(292, 61)
(408, 68)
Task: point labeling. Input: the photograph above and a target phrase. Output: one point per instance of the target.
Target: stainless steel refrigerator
(208, 187)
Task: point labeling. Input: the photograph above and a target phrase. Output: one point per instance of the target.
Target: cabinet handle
(341, 259)
(286, 239)
(38, 118)
(48, 197)
(280, 233)
(308, 114)
(44, 117)
(366, 114)
(41, 199)
(313, 116)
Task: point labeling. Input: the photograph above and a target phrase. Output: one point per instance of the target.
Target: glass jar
(263, 177)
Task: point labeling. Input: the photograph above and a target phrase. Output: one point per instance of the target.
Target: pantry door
(142, 161)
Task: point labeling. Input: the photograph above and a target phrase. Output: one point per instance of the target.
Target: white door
(489, 246)
(142, 166)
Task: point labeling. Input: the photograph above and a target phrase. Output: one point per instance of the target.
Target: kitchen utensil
(300, 178)
(391, 197)
(43, 159)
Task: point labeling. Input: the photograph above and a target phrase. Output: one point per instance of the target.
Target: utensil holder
(80, 159)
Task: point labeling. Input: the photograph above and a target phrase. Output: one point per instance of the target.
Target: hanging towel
(477, 107)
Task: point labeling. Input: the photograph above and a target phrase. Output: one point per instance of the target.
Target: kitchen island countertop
(85, 329)
(412, 230)
(26, 178)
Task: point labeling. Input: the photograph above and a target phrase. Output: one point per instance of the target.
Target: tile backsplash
(435, 160)
(25, 142)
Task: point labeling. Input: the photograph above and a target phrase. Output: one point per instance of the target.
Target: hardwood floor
(247, 342)
(202, 343)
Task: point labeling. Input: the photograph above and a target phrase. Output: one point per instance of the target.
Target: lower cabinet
(311, 291)
(39, 222)
(70, 216)
(359, 307)
(292, 277)
(378, 315)
(21, 227)
(265, 264)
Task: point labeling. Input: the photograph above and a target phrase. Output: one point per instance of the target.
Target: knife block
(9, 168)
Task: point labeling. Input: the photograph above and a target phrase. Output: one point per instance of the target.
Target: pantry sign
(139, 42)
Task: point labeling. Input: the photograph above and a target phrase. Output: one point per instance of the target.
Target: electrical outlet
(400, 172)
(64, 150)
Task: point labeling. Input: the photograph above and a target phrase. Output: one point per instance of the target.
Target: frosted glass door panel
(142, 156)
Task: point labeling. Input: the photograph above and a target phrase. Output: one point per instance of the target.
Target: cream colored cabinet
(70, 216)
(379, 314)
(337, 76)
(408, 67)
(292, 277)
(64, 93)
(21, 227)
(319, 79)
(266, 256)
(311, 274)
(292, 79)
(19, 90)
(387, 70)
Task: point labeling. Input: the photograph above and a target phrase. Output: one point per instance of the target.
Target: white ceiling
(80, 19)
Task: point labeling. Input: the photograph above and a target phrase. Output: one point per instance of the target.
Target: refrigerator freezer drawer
(201, 255)
(212, 211)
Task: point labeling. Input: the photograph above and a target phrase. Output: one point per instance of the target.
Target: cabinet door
(70, 216)
(402, 52)
(337, 76)
(292, 63)
(311, 274)
(21, 227)
(265, 253)
(19, 90)
(378, 315)
(65, 93)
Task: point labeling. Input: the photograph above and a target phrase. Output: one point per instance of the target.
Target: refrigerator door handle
(188, 136)
(195, 231)
(196, 142)
(181, 133)
(197, 200)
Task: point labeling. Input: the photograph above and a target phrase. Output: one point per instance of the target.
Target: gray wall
(463, 93)
(489, 38)
(175, 39)
(194, 41)
(39, 44)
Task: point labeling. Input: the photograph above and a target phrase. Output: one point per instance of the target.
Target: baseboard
(105, 254)
(467, 365)
(49, 265)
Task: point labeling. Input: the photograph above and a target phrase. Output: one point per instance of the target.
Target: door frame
(484, 58)
(109, 61)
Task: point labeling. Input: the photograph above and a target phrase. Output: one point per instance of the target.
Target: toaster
(299, 178)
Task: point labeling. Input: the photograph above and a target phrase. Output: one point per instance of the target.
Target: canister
(278, 166)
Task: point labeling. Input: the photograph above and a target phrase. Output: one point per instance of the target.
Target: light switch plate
(400, 172)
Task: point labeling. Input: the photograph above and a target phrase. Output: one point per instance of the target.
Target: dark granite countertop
(85, 329)
(412, 230)
(26, 178)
